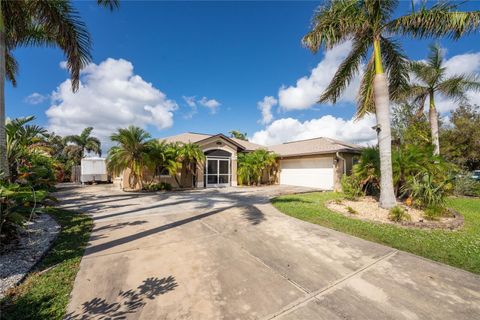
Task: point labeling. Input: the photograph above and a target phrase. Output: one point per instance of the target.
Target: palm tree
(85, 142)
(238, 135)
(430, 79)
(369, 25)
(172, 160)
(40, 23)
(191, 156)
(132, 152)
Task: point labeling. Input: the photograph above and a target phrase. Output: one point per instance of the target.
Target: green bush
(426, 192)
(37, 170)
(351, 187)
(158, 187)
(411, 164)
(466, 186)
(398, 214)
(17, 204)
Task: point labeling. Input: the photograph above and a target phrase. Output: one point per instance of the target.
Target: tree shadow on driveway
(128, 302)
(146, 233)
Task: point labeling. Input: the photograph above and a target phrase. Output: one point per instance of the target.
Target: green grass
(45, 292)
(459, 248)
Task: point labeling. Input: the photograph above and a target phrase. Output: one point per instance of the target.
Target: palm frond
(334, 23)
(347, 70)
(440, 20)
(62, 24)
(110, 4)
(365, 98)
(396, 65)
(11, 68)
(456, 87)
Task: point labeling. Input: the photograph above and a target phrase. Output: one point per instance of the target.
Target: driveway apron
(229, 254)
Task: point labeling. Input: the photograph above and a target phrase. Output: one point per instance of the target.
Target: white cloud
(190, 101)
(110, 96)
(265, 106)
(289, 129)
(35, 98)
(211, 104)
(308, 89)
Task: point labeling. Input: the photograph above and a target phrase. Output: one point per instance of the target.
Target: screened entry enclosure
(217, 168)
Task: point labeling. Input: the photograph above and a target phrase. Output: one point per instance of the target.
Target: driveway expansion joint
(322, 291)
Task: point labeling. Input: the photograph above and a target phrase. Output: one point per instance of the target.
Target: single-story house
(318, 163)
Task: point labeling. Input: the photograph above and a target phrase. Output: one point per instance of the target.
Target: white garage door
(312, 172)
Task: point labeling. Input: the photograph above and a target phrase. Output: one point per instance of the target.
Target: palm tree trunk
(382, 109)
(3, 134)
(433, 117)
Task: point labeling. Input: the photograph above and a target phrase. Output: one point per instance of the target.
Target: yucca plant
(371, 26)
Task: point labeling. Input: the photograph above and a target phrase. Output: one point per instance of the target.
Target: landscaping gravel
(33, 242)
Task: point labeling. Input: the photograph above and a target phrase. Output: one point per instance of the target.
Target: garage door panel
(312, 172)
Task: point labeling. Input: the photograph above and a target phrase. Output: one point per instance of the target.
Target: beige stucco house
(317, 163)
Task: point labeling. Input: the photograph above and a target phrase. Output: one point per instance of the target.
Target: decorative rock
(34, 241)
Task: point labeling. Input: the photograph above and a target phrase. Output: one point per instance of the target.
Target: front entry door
(217, 172)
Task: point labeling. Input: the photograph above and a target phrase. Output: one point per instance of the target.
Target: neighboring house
(318, 163)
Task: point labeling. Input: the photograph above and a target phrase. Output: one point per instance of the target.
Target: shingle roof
(313, 146)
(187, 137)
(249, 146)
(287, 149)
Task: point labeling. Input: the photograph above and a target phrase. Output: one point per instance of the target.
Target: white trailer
(93, 169)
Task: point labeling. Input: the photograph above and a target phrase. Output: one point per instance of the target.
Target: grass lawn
(457, 248)
(45, 293)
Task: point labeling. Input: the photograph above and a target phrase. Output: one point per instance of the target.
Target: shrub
(398, 214)
(466, 186)
(367, 171)
(158, 187)
(426, 192)
(351, 210)
(351, 187)
(17, 204)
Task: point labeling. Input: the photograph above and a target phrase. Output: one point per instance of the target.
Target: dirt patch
(368, 208)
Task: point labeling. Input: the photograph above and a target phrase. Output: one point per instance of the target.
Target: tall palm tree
(191, 156)
(86, 142)
(369, 25)
(430, 79)
(131, 152)
(40, 23)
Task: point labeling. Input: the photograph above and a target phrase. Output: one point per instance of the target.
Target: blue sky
(232, 53)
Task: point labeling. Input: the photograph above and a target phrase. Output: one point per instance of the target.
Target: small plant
(351, 187)
(338, 201)
(398, 214)
(434, 212)
(351, 210)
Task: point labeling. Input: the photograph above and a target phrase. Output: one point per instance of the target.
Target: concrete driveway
(228, 254)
